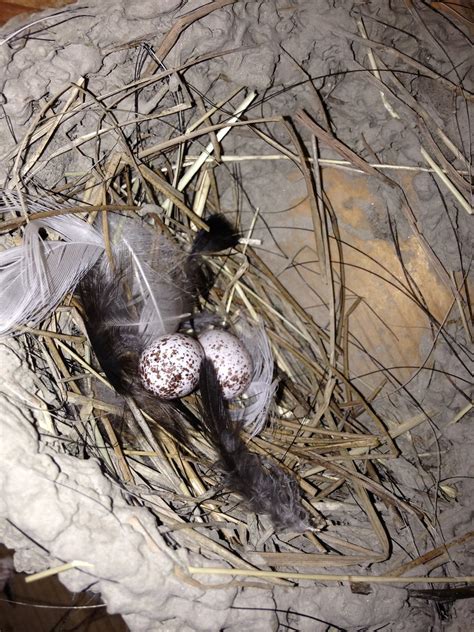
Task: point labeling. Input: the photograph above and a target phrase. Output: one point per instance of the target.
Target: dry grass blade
(431, 555)
(102, 208)
(183, 23)
(445, 180)
(339, 147)
(353, 579)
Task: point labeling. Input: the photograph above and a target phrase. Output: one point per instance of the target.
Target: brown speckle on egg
(169, 367)
(231, 360)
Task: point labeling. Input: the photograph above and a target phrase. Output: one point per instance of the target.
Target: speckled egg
(169, 367)
(231, 360)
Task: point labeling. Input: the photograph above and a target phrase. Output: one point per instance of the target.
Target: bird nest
(166, 166)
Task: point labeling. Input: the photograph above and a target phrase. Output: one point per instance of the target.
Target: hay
(323, 427)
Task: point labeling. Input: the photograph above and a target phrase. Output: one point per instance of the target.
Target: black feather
(264, 485)
(110, 321)
(220, 236)
(111, 313)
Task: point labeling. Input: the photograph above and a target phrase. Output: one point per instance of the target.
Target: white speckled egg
(231, 360)
(169, 367)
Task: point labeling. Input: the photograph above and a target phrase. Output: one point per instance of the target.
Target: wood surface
(12, 8)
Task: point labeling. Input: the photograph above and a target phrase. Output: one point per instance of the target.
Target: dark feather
(111, 323)
(442, 594)
(264, 485)
(220, 236)
(113, 313)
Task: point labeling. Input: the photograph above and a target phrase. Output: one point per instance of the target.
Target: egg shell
(231, 360)
(169, 367)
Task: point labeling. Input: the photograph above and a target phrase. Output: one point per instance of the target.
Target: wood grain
(12, 8)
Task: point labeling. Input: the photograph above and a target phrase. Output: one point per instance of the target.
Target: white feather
(160, 286)
(14, 202)
(259, 394)
(35, 276)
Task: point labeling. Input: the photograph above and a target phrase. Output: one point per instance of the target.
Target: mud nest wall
(336, 137)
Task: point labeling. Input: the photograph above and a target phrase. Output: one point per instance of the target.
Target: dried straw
(325, 429)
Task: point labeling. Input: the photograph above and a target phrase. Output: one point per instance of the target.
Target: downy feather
(259, 394)
(35, 277)
(112, 320)
(264, 486)
(157, 279)
(220, 236)
(144, 293)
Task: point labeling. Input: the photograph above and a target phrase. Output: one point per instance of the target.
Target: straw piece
(329, 139)
(53, 127)
(352, 579)
(464, 411)
(122, 462)
(373, 65)
(56, 570)
(430, 555)
(324, 162)
(184, 22)
(310, 559)
(445, 180)
(177, 140)
(67, 210)
(171, 193)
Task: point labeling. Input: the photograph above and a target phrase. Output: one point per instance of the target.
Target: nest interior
(347, 174)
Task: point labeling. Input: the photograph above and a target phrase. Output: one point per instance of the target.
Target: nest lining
(323, 426)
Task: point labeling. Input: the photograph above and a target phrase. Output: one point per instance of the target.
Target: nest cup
(331, 423)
